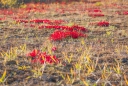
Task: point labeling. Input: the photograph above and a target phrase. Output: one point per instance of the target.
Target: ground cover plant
(82, 43)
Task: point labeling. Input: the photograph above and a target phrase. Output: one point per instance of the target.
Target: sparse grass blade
(2, 79)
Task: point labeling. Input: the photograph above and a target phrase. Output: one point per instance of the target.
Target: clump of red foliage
(103, 23)
(42, 57)
(122, 13)
(125, 12)
(70, 28)
(95, 13)
(3, 18)
(74, 31)
(59, 35)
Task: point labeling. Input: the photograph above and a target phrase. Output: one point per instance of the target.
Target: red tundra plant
(75, 34)
(1, 18)
(31, 25)
(54, 48)
(103, 23)
(4, 18)
(7, 12)
(79, 28)
(48, 58)
(34, 53)
(94, 10)
(41, 57)
(122, 13)
(69, 28)
(40, 21)
(119, 13)
(59, 35)
(125, 12)
(95, 13)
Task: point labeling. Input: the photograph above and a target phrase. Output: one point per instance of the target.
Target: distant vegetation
(17, 3)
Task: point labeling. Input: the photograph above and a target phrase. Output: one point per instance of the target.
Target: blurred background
(17, 3)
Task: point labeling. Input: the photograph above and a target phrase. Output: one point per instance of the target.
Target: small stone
(124, 60)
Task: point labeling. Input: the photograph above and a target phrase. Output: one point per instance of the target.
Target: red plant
(42, 57)
(59, 35)
(75, 34)
(119, 13)
(125, 12)
(40, 21)
(94, 10)
(54, 48)
(122, 13)
(34, 53)
(31, 25)
(2, 18)
(79, 28)
(103, 23)
(95, 13)
(74, 27)
(7, 12)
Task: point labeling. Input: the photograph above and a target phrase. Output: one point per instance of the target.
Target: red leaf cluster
(94, 10)
(103, 23)
(54, 48)
(122, 13)
(95, 13)
(66, 31)
(125, 12)
(2, 18)
(6, 12)
(41, 57)
(59, 35)
(70, 28)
